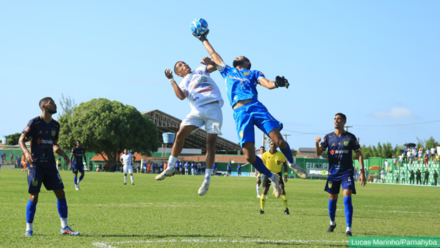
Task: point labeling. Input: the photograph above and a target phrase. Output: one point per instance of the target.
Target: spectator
(420, 155)
(1, 158)
(428, 152)
(203, 169)
(432, 153)
(186, 168)
(418, 177)
(144, 166)
(411, 177)
(18, 161)
(397, 177)
(90, 166)
(401, 158)
(214, 169)
(435, 177)
(402, 180)
(161, 167)
(387, 165)
(12, 158)
(426, 159)
(411, 158)
(138, 168)
(192, 168)
(382, 175)
(229, 169)
(239, 170)
(199, 169)
(121, 169)
(426, 180)
(394, 160)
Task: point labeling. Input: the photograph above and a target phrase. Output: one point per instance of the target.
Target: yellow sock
(284, 201)
(262, 201)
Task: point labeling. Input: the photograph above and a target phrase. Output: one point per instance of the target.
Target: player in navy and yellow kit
(241, 87)
(77, 156)
(340, 145)
(274, 161)
(43, 132)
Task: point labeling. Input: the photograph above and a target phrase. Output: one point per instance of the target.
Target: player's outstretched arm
(179, 93)
(318, 149)
(211, 66)
(214, 55)
(60, 152)
(27, 154)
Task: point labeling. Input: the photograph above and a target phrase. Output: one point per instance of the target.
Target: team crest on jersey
(246, 73)
(241, 134)
(330, 184)
(34, 182)
(332, 152)
(345, 142)
(53, 132)
(278, 162)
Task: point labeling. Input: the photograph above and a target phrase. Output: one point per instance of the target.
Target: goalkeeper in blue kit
(242, 93)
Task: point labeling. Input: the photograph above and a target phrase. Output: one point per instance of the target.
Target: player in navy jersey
(77, 156)
(242, 93)
(340, 145)
(43, 132)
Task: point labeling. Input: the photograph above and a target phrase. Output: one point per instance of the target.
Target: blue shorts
(250, 115)
(77, 168)
(49, 177)
(333, 186)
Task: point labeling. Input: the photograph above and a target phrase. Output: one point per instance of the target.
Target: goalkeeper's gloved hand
(281, 82)
(202, 37)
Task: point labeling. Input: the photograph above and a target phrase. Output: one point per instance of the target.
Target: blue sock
(62, 207)
(348, 210)
(81, 177)
(30, 211)
(74, 180)
(287, 153)
(332, 209)
(259, 165)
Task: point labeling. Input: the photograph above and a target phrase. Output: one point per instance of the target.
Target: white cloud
(395, 113)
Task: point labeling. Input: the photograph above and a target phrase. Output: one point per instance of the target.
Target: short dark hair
(342, 116)
(44, 101)
(235, 63)
(175, 66)
(261, 147)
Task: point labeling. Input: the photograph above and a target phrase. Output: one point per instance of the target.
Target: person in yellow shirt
(274, 161)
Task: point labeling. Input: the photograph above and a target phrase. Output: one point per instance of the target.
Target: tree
(431, 143)
(379, 150)
(67, 106)
(107, 128)
(13, 139)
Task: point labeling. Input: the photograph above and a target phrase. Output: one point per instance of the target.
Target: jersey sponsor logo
(341, 151)
(332, 152)
(206, 90)
(43, 141)
(345, 142)
(27, 129)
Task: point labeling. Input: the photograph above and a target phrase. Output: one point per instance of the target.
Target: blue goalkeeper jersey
(340, 154)
(241, 84)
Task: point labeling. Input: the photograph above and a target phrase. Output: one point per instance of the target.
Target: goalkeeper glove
(281, 82)
(202, 37)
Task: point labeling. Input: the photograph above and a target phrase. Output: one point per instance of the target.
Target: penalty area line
(108, 244)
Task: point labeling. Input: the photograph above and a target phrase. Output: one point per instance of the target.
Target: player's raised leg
(181, 135)
(276, 136)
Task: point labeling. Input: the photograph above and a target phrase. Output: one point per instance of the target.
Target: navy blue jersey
(340, 153)
(78, 154)
(43, 136)
(241, 84)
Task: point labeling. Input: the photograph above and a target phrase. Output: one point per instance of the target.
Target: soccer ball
(199, 26)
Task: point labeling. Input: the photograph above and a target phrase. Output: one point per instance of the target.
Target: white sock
(29, 227)
(332, 223)
(131, 177)
(125, 179)
(258, 189)
(273, 177)
(63, 222)
(171, 162)
(208, 176)
(348, 229)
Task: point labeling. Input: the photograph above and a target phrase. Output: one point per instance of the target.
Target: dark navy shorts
(77, 168)
(333, 185)
(49, 177)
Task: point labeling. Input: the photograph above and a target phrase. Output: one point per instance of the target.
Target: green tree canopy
(107, 128)
(13, 139)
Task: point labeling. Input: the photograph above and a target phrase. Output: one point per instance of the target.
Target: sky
(378, 62)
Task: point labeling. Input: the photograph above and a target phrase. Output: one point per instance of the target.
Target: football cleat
(77, 186)
(68, 231)
(258, 196)
(276, 185)
(164, 174)
(298, 170)
(348, 233)
(29, 233)
(125, 183)
(261, 211)
(203, 189)
(132, 183)
(286, 212)
(331, 228)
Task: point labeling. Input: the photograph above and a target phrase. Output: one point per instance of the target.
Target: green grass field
(170, 213)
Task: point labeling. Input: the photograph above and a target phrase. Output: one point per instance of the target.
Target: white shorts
(128, 169)
(382, 177)
(208, 115)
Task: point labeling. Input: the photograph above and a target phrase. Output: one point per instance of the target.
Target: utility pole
(346, 128)
(285, 135)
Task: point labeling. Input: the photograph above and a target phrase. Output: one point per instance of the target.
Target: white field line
(107, 244)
